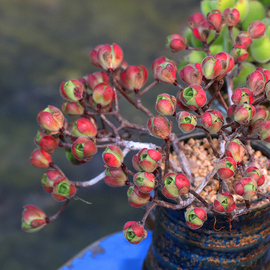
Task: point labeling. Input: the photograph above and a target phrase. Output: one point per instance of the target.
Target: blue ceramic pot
(243, 247)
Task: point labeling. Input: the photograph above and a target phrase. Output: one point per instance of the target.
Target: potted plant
(210, 195)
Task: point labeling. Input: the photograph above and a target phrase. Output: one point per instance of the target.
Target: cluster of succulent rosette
(222, 69)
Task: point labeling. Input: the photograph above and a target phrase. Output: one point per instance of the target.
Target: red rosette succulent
(186, 121)
(144, 181)
(224, 203)
(96, 78)
(242, 95)
(110, 56)
(47, 142)
(166, 72)
(94, 56)
(72, 90)
(226, 167)
(195, 19)
(115, 177)
(256, 81)
(244, 38)
(134, 77)
(226, 62)
(166, 104)
(255, 174)
(211, 67)
(195, 217)
(236, 150)
(212, 121)
(84, 127)
(51, 119)
(33, 218)
(192, 73)
(194, 97)
(202, 31)
(256, 29)
(103, 94)
(176, 42)
(244, 113)
(246, 187)
(136, 198)
(239, 53)
(159, 126)
(63, 189)
(215, 19)
(72, 108)
(231, 16)
(134, 232)
(40, 158)
(49, 178)
(83, 149)
(113, 156)
(148, 159)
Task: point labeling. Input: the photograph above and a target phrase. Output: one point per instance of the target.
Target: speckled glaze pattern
(243, 247)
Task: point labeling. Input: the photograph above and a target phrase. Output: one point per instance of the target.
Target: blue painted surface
(118, 254)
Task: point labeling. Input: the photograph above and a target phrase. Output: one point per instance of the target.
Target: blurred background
(42, 44)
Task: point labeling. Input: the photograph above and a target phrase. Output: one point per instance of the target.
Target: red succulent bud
(244, 38)
(227, 63)
(224, 203)
(40, 158)
(83, 149)
(255, 174)
(159, 126)
(166, 72)
(244, 113)
(33, 219)
(236, 150)
(186, 121)
(231, 16)
(115, 177)
(256, 29)
(215, 19)
(192, 73)
(113, 156)
(48, 179)
(134, 77)
(148, 159)
(135, 163)
(51, 119)
(72, 90)
(175, 184)
(193, 97)
(195, 19)
(137, 198)
(212, 121)
(211, 67)
(242, 95)
(94, 56)
(96, 78)
(110, 56)
(144, 181)
(226, 167)
(246, 188)
(195, 217)
(239, 53)
(264, 131)
(202, 31)
(166, 104)
(103, 94)
(259, 117)
(63, 189)
(134, 232)
(256, 81)
(72, 108)
(84, 127)
(176, 42)
(47, 142)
